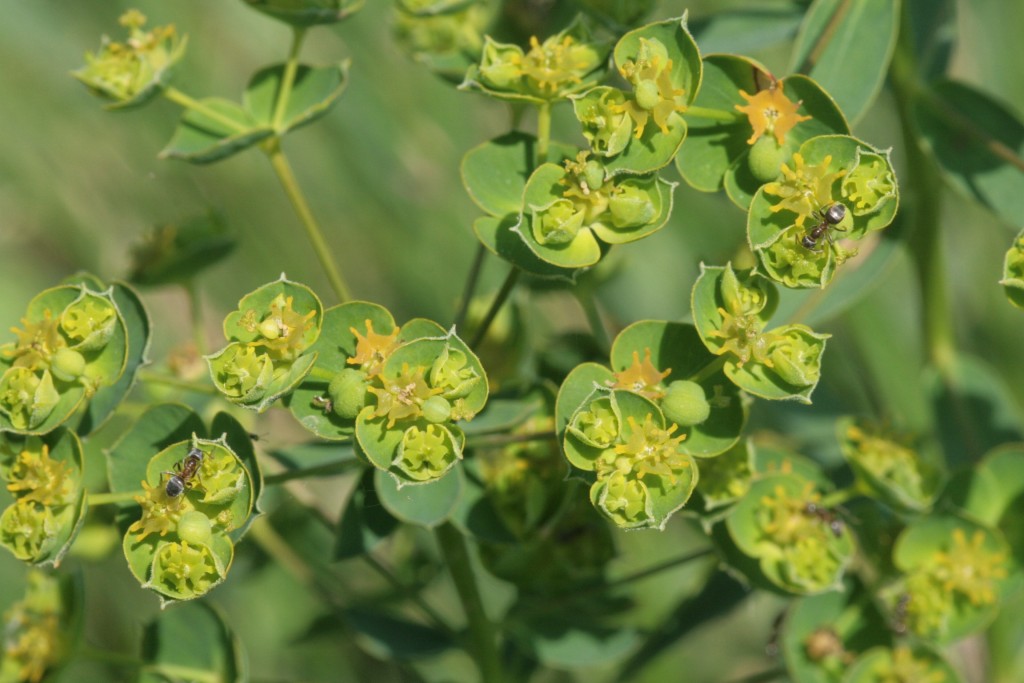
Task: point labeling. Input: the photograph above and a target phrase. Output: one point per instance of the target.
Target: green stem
(272, 544)
(543, 132)
(108, 657)
(483, 633)
(492, 312)
(316, 239)
(585, 297)
(195, 306)
(186, 673)
(288, 78)
(710, 369)
(413, 595)
(471, 282)
(839, 497)
(925, 237)
(720, 115)
(183, 100)
(95, 499)
(492, 440)
(176, 382)
(322, 374)
(326, 469)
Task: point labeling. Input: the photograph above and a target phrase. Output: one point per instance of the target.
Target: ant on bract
(829, 218)
(185, 471)
(835, 524)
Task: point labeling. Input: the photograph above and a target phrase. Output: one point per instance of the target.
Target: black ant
(827, 516)
(830, 218)
(899, 615)
(180, 480)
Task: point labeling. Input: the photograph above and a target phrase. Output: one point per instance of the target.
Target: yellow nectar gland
(373, 348)
(642, 377)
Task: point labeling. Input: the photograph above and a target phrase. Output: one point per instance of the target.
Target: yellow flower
(770, 111)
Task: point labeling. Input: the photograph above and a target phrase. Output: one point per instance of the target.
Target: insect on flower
(827, 516)
(185, 471)
(830, 218)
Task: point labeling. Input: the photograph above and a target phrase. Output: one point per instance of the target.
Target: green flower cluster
(33, 631)
(180, 547)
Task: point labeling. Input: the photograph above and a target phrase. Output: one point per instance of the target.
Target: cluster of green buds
(44, 474)
(834, 185)
(800, 544)
(270, 336)
(399, 390)
(563, 64)
(890, 465)
(446, 35)
(33, 627)
(731, 311)
(642, 130)
(638, 433)
(196, 493)
(72, 342)
(955, 574)
(129, 74)
(572, 211)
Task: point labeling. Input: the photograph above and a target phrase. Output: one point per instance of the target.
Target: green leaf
(428, 504)
(192, 638)
(392, 638)
(240, 441)
(881, 661)
(563, 643)
(476, 514)
(933, 33)
(652, 151)
(137, 325)
(314, 91)
(178, 252)
(1013, 272)
(221, 129)
(307, 13)
(745, 30)
(846, 47)
(364, 522)
(978, 142)
(157, 428)
(577, 389)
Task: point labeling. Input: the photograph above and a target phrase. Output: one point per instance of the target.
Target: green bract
(772, 119)
(565, 63)
(180, 547)
(129, 74)
(1013, 272)
(915, 662)
(640, 131)
(45, 476)
(73, 343)
(891, 466)
(801, 547)
(828, 170)
(219, 128)
(400, 391)
(570, 212)
(731, 312)
(956, 574)
(272, 334)
(36, 629)
(304, 13)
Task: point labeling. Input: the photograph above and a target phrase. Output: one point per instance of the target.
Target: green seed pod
(195, 528)
(348, 393)
(685, 403)
(647, 95)
(67, 365)
(437, 409)
(765, 160)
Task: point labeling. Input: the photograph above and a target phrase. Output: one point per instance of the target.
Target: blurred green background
(79, 186)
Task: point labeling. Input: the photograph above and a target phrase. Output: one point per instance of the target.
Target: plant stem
(710, 369)
(322, 374)
(585, 297)
(187, 673)
(721, 115)
(327, 469)
(108, 657)
(412, 595)
(288, 78)
(482, 632)
(543, 132)
(471, 282)
(195, 306)
(492, 312)
(95, 499)
(183, 100)
(176, 382)
(316, 239)
(491, 440)
(925, 237)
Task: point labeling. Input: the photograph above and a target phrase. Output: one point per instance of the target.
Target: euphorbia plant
(506, 478)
